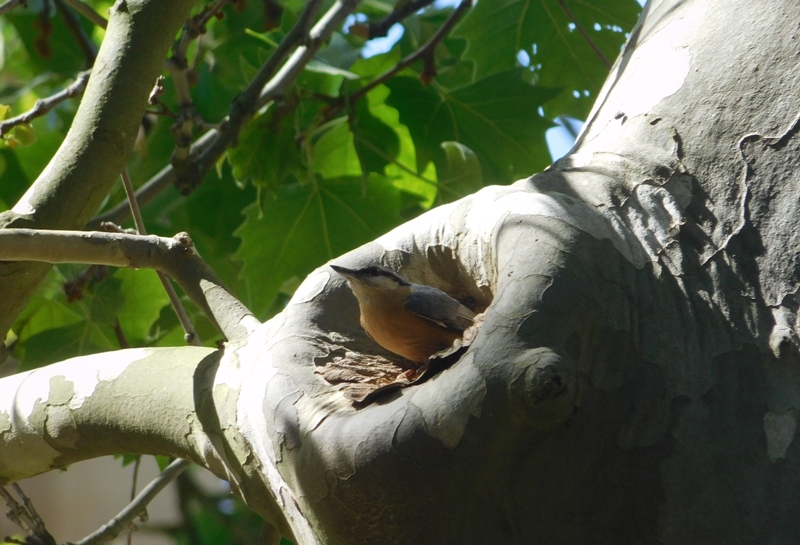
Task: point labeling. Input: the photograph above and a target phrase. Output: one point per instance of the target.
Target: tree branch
(178, 66)
(137, 507)
(26, 517)
(163, 388)
(174, 256)
(5, 7)
(207, 149)
(271, 81)
(190, 335)
(44, 105)
(425, 52)
(381, 28)
(88, 12)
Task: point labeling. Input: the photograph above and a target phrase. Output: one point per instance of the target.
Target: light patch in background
(382, 45)
(561, 138)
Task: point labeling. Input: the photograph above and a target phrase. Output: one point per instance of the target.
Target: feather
(438, 307)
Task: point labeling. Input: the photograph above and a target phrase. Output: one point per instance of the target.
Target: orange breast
(407, 334)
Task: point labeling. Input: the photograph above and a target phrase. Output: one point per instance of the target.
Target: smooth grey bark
(651, 274)
(636, 377)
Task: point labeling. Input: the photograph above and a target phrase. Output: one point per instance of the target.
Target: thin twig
(178, 66)
(190, 335)
(584, 34)
(134, 484)
(136, 508)
(279, 71)
(165, 178)
(44, 105)
(16, 513)
(5, 7)
(26, 517)
(424, 52)
(88, 12)
(136, 212)
(381, 28)
(196, 26)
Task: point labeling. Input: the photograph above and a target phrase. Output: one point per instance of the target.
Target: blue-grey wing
(436, 306)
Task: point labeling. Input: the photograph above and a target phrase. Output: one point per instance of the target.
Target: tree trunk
(635, 378)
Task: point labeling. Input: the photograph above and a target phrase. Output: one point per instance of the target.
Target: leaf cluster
(340, 158)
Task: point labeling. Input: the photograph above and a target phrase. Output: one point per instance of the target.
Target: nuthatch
(412, 320)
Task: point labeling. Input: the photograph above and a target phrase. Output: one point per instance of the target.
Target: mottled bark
(636, 377)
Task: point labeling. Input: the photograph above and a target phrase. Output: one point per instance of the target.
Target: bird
(411, 320)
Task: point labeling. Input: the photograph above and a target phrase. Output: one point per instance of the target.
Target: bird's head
(371, 278)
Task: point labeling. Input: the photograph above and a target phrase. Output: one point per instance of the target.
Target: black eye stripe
(375, 271)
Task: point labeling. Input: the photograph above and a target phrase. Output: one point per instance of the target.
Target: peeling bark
(636, 378)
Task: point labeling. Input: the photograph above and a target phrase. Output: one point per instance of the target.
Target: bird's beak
(347, 273)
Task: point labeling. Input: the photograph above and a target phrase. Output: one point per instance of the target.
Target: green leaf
(104, 301)
(162, 462)
(334, 154)
(24, 134)
(339, 52)
(462, 175)
(270, 38)
(33, 159)
(52, 48)
(52, 328)
(560, 55)
(267, 153)
(14, 181)
(211, 214)
(376, 143)
(127, 459)
(143, 297)
(496, 117)
(304, 226)
(376, 65)
(65, 342)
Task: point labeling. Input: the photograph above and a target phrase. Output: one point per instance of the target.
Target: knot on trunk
(544, 393)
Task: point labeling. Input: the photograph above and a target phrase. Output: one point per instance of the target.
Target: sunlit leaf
(24, 134)
(334, 153)
(143, 298)
(376, 142)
